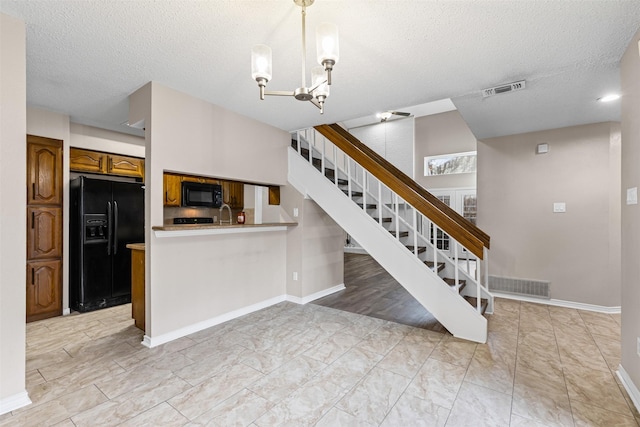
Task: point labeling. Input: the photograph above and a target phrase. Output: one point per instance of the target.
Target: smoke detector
(509, 87)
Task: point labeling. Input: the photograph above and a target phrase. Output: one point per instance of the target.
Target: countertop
(213, 229)
(136, 246)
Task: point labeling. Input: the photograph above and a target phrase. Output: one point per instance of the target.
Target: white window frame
(429, 159)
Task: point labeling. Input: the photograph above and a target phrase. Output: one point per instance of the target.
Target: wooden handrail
(451, 222)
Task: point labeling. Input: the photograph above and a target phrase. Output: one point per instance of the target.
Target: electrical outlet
(295, 212)
(295, 275)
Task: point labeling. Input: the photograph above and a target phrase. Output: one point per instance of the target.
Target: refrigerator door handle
(115, 227)
(109, 228)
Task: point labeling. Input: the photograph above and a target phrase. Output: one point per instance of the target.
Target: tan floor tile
(594, 387)
(585, 415)
(374, 396)
(493, 370)
(242, 408)
(337, 418)
(519, 421)
(437, 382)
(479, 406)
(161, 415)
(406, 357)
(415, 412)
(455, 351)
(549, 409)
(351, 367)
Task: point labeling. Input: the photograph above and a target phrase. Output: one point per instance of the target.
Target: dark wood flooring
(371, 291)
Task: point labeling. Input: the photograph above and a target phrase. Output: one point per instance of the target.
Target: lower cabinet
(44, 289)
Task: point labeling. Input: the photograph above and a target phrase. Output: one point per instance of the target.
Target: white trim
(354, 250)
(218, 230)
(196, 327)
(628, 384)
(317, 295)
(66, 312)
(14, 402)
(561, 303)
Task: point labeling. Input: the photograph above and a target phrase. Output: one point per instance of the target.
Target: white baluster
(455, 260)
(349, 189)
(479, 294)
(379, 202)
(415, 232)
(397, 218)
(364, 189)
(335, 164)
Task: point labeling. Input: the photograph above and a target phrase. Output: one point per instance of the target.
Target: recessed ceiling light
(609, 98)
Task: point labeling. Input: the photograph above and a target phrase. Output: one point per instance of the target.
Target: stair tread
(353, 193)
(430, 265)
(383, 219)
(402, 233)
(473, 301)
(421, 249)
(369, 205)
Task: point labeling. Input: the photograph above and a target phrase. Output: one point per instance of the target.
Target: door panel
(44, 293)
(44, 172)
(44, 232)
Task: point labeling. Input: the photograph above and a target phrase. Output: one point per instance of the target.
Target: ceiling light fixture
(327, 46)
(609, 98)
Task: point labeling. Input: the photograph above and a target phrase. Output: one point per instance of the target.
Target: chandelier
(327, 47)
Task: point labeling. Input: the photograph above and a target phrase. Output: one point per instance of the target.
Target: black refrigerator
(104, 217)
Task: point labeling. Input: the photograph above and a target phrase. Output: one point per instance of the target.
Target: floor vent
(525, 287)
(510, 87)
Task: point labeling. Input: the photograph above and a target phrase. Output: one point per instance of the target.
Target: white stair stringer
(449, 308)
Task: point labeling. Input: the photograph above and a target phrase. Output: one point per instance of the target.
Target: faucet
(230, 215)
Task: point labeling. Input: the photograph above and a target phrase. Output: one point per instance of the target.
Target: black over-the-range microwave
(198, 194)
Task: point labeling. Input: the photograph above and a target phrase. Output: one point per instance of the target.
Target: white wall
(577, 251)
(630, 88)
(92, 138)
(13, 148)
(191, 280)
(438, 134)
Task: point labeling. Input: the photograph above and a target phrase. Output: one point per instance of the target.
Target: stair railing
(335, 164)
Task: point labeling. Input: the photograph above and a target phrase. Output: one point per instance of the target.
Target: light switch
(295, 212)
(632, 196)
(559, 207)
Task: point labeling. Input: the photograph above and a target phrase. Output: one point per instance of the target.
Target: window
(450, 163)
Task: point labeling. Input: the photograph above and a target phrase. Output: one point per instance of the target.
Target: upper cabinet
(44, 171)
(172, 189)
(105, 163)
(233, 194)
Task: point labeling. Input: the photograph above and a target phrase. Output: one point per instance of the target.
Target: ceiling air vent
(511, 87)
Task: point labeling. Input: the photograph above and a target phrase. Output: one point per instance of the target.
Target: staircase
(399, 228)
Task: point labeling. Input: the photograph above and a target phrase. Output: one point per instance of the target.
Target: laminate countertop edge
(135, 246)
(212, 229)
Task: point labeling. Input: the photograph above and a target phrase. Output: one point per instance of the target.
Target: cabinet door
(125, 166)
(87, 161)
(44, 171)
(44, 290)
(44, 232)
(200, 179)
(237, 195)
(172, 189)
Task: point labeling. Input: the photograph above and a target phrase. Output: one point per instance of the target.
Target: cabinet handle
(166, 196)
(33, 190)
(32, 276)
(100, 163)
(33, 220)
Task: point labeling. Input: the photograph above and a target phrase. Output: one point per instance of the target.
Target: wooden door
(172, 189)
(44, 228)
(44, 232)
(44, 171)
(44, 289)
(125, 166)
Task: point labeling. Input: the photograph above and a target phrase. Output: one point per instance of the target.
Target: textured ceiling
(85, 57)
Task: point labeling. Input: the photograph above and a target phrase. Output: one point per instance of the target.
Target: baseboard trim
(66, 312)
(14, 402)
(560, 303)
(317, 295)
(628, 385)
(354, 250)
(196, 327)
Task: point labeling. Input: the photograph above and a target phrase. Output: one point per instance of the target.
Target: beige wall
(192, 280)
(93, 138)
(577, 251)
(437, 134)
(315, 248)
(630, 81)
(13, 126)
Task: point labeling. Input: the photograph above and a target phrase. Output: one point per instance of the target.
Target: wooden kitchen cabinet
(44, 289)
(233, 194)
(172, 189)
(44, 232)
(90, 161)
(44, 171)
(125, 166)
(200, 179)
(44, 228)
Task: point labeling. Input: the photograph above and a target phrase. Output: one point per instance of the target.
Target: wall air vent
(511, 87)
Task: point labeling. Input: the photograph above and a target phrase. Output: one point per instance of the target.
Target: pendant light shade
(319, 79)
(261, 62)
(327, 44)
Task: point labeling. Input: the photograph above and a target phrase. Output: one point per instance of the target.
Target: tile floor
(312, 365)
